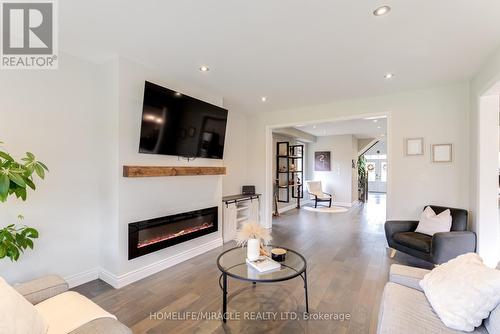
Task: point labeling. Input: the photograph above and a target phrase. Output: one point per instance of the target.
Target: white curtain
(229, 230)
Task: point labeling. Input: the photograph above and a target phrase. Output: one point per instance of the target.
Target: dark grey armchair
(439, 248)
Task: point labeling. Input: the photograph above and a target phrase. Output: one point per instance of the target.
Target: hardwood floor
(348, 266)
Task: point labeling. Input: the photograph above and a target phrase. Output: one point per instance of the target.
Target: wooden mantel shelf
(151, 171)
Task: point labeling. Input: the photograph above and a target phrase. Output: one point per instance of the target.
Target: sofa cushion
(418, 241)
(103, 326)
(68, 311)
(17, 315)
(463, 291)
(406, 310)
(407, 276)
(493, 322)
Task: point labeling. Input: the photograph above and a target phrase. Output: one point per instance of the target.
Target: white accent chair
(317, 194)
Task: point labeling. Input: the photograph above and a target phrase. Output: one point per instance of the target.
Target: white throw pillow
(430, 223)
(17, 315)
(463, 291)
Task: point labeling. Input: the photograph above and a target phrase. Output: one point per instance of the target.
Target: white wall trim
(119, 281)
(82, 278)
(287, 208)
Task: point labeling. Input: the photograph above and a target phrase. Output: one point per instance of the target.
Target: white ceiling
(296, 53)
(361, 128)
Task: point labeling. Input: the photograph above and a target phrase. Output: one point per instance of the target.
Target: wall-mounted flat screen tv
(177, 124)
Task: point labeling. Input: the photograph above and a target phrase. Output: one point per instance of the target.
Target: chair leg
(316, 204)
(330, 205)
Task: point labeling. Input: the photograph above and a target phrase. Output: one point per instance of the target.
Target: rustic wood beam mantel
(152, 171)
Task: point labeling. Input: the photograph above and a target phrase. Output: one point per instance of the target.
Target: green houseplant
(15, 179)
(362, 178)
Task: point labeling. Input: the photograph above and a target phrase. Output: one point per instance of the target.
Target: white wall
(439, 114)
(57, 116)
(484, 92)
(83, 120)
(339, 180)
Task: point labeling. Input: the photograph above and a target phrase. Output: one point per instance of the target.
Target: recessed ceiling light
(314, 126)
(378, 127)
(389, 75)
(263, 99)
(204, 68)
(382, 10)
(375, 120)
(177, 94)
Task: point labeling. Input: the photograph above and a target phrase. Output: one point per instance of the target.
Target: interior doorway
(376, 165)
(329, 163)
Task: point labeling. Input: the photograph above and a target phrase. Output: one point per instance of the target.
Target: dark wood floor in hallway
(348, 265)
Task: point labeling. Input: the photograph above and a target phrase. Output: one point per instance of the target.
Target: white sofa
(45, 306)
(405, 309)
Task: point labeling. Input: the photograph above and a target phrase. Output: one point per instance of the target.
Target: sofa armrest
(42, 288)
(407, 276)
(449, 245)
(396, 226)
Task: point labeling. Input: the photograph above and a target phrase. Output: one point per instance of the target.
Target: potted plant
(253, 235)
(15, 179)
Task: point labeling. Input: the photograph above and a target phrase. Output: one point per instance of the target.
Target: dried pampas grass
(252, 230)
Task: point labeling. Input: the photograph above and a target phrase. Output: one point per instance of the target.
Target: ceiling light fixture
(375, 120)
(389, 75)
(177, 94)
(382, 10)
(375, 117)
(314, 126)
(378, 127)
(263, 99)
(204, 68)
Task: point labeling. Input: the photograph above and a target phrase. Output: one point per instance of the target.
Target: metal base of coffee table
(237, 268)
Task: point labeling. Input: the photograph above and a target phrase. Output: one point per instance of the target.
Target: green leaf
(43, 165)
(39, 171)
(30, 183)
(17, 179)
(6, 156)
(30, 155)
(4, 185)
(31, 233)
(3, 251)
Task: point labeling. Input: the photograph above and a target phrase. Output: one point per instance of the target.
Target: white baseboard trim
(287, 208)
(119, 281)
(346, 204)
(82, 278)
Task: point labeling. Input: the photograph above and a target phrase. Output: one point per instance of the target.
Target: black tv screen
(177, 124)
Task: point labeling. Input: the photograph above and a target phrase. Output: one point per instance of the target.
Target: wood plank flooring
(348, 266)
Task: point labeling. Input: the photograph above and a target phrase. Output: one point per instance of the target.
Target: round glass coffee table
(232, 262)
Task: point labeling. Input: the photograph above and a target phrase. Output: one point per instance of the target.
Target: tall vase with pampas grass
(253, 235)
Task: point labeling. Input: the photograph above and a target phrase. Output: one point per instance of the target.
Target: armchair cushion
(17, 315)
(414, 240)
(42, 288)
(314, 188)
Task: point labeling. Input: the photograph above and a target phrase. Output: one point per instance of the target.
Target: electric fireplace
(148, 236)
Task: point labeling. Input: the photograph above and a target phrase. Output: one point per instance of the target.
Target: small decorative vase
(253, 249)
